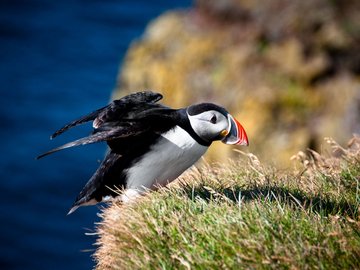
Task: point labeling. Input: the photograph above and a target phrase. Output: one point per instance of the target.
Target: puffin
(149, 144)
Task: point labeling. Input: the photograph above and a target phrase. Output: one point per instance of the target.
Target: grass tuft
(243, 215)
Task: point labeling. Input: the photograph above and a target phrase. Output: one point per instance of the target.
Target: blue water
(58, 60)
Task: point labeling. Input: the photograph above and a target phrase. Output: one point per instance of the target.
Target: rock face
(288, 70)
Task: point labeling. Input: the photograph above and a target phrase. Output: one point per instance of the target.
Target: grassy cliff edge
(243, 215)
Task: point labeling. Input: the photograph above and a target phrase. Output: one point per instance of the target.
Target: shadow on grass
(284, 196)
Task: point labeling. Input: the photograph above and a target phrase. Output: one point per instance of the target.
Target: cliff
(289, 71)
(243, 215)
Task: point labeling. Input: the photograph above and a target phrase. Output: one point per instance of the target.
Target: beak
(236, 133)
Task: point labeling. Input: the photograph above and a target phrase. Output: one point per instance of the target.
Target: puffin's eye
(213, 119)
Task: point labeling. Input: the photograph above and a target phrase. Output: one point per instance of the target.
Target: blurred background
(288, 70)
(58, 60)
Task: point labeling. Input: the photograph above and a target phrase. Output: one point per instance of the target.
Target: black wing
(106, 135)
(113, 110)
(90, 117)
(128, 117)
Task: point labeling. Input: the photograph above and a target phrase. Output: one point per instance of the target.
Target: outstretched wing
(114, 110)
(128, 117)
(115, 133)
(90, 117)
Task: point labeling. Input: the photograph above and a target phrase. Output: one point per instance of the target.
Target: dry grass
(243, 215)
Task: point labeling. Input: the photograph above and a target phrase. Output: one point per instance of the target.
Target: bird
(149, 144)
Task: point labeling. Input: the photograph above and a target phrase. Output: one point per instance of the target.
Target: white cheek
(201, 127)
(204, 128)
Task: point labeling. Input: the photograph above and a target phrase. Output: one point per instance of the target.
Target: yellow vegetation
(243, 213)
(289, 77)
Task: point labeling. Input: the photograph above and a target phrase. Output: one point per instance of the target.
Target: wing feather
(115, 109)
(129, 116)
(84, 119)
(106, 135)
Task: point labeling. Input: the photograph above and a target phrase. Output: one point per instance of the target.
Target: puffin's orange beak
(236, 133)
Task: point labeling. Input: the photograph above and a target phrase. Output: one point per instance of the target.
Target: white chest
(171, 156)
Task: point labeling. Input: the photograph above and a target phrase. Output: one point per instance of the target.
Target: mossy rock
(288, 89)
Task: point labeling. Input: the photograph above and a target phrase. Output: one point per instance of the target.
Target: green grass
(242, 216)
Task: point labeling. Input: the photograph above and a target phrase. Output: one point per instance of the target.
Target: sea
(58, 60)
